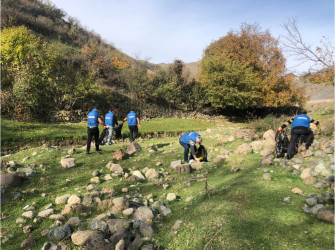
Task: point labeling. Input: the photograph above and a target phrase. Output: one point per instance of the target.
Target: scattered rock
(68, 162)
(80, 238)
(11, 180)
(60, 233)
(133, 148)
(297, 191)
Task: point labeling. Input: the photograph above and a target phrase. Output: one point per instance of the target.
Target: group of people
(300, 126)
(94, 120)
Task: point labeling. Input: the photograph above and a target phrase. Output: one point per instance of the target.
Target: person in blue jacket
(300, 126)
(110, 121)
(92, 129)
(133, 121)
(188, 141)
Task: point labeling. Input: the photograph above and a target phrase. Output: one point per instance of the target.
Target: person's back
(300, 126)
(92, 118)
(189, 136)
(132, 118)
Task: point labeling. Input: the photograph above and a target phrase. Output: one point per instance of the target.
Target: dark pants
(295, 134)
(186, 151)
(133, 131)
(90, 133)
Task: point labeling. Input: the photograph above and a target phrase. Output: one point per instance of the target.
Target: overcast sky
(161, 31)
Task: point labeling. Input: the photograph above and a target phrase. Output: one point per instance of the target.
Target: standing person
(300, 126)
(110, 121)
(92, 129)
(133, 121)
(188, 141)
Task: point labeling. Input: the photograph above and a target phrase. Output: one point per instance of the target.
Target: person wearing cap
(110, 121)
(92, 129)
(188, 141)
(133, 122)
(300, 126)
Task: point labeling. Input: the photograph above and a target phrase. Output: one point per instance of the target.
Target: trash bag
(201, 153)
(103, 137)
(281, 143)
(118, 130)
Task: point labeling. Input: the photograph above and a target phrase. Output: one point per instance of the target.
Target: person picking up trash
(110, 121)
(93, 121)
(133, 121)
(188, 141)
(300, 126)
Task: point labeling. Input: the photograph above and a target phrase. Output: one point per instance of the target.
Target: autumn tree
(246, 69)
(321, 56)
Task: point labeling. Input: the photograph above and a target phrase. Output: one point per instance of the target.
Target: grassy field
(237, 211)
(14, 134)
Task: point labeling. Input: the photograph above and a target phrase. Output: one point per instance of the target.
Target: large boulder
(68, 162)
(80, 238)
(143, 214)
(60, 233)
(116, 224)
(11, 180)
(133, 148)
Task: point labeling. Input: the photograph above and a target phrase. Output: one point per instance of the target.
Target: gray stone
(311, 201)
(133, 148)
(60, 233)
(68, 162)
(45, 213)
(151, 174)
(287, 199)
(183, 169)
(11, 180)
(119, 154)
(100, 225)
(27, 171)
(75, 221)
(319, 185)
(147, 230)
(315, 208)
(116, 224)
(62, 199)
(143, 214)
(50, 246)
(121, 234)
(80, 238)
(174, 164)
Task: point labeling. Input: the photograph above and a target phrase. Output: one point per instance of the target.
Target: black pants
(90, 133)
(133, 132)
(295, 134)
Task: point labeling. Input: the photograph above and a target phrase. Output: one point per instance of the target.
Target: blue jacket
(189, 136)
(301, 120)
(92, 120)
(109, 119)
(132, 118)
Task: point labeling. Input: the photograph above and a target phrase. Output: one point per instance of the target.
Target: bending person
(300, 126)
(188, 141)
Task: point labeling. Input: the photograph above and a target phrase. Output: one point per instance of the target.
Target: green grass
(14, 134)
(239, 210)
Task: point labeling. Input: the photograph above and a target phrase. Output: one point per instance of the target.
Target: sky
(161, 31)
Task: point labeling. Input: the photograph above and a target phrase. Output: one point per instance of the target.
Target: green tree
(229, 83)
(253, 61)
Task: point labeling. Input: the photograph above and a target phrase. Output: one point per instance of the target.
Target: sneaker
(109, 143)
(87, 152)
(98, 150)
(288, 157)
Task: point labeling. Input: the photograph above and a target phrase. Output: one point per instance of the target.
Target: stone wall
(146, 114)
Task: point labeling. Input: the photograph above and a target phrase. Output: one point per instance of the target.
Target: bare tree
(321, 55)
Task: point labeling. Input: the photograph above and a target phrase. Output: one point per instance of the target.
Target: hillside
(142, 197)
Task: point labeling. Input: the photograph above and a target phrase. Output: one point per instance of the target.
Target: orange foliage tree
(257, 61)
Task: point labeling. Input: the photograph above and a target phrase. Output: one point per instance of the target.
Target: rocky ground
(127, 221)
